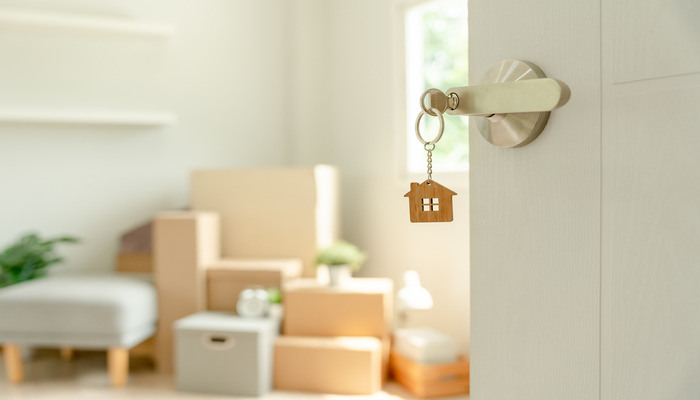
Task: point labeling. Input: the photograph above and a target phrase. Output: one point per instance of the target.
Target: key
(436, 99)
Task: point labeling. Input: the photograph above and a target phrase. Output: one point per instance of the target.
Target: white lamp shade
(413, 296)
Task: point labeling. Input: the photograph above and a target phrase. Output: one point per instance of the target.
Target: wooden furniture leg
(67, 353)
(118, 365)
(13, 363)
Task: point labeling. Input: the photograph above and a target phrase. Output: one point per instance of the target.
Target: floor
(85, 377)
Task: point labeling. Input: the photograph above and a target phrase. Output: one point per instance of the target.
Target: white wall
(308, 43)
(253, 83)
(357, 132)
(222, 73)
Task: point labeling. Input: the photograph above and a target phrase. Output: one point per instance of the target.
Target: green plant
(28, 258)
(274, 295)
(341, 253)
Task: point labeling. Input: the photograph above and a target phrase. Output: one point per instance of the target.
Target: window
(436, 56)
(431, 204)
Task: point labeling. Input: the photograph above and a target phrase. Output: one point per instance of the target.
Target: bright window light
(436, 56)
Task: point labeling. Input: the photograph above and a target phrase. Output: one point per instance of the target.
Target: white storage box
(224, 354)
(425, 345)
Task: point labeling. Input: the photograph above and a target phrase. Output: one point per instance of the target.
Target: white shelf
(128, 118)
(54, 20)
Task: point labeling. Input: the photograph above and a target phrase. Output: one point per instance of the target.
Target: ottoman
(90, 312)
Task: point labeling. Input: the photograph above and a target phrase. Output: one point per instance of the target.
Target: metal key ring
(422, 103)
(442, 127)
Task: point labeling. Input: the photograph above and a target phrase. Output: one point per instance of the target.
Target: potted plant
(28, 258)
(275, 298)
(340, 257)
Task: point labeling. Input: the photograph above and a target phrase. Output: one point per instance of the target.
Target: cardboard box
(341, 365)
(431, 380)
(226, 279)
(184, 242)
(135, 263)
(361, 307)
(271, 212)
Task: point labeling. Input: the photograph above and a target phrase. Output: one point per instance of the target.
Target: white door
(585, 244)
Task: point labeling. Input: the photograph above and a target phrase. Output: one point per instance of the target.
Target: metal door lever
(512, 102)
(534, 95)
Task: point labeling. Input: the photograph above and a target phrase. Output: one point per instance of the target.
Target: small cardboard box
(431, 380)
(361, 307)
(135, 263)
(226, 279)
(339, 365)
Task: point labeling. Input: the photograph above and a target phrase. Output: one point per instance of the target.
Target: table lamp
(412, 296)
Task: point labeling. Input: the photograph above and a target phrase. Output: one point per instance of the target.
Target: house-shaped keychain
(430, 202)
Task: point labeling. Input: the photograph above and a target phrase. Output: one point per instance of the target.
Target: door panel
(586, 243)
(651, 232)
(653, 39)
(535, 213)
(650, 322)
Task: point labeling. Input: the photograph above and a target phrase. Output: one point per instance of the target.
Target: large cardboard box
(226, 279)
(339, 365)
(271, 212)
(184, 242)
(361, 307)
(431, 380)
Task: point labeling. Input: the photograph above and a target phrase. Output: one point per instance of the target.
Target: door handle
(512, 103)
(533, 95)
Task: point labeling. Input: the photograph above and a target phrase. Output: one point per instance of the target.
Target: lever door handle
(532, 95)
(511, 104)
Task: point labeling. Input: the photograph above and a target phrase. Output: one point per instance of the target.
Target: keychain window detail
(432, 204)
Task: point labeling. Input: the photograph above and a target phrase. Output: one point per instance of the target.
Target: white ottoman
(89, 312)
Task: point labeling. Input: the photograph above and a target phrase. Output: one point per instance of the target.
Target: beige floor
(50, 378)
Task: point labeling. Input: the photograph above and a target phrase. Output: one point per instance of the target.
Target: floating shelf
(55, 20)
(128, 118)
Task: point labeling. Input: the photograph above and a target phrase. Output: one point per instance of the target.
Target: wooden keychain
(430, 201)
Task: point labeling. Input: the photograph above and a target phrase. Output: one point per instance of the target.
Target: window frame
(457, 179)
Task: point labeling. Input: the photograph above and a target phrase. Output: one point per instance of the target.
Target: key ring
(425, 109)
(440, 130)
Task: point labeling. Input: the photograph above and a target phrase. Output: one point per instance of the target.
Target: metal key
(437, 100)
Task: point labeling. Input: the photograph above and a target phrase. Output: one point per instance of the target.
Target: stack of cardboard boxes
(246, 227)
(336, 339)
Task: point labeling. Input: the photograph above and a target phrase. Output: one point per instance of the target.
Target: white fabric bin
(425, 345)
(224, 354)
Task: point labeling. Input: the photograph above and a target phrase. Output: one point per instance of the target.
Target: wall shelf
(125, 118)
(56, 20)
